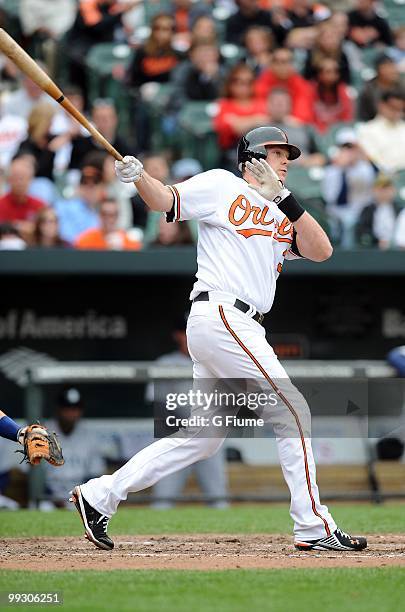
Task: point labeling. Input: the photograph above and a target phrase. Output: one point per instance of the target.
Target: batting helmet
(253, 144)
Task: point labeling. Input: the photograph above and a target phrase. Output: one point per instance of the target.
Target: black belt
(204, 297)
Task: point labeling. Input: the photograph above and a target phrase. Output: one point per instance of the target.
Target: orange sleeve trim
(290, 408)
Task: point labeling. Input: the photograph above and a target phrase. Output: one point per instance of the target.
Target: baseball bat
(28, 66)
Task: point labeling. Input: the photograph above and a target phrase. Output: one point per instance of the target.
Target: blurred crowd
(331, 74)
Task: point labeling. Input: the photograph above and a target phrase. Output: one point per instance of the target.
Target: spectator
(52, 19)
(46, 230)
(21, 101)
(167, 236)
(347, 187)
(387, 78)
(13, 130)
(238, 110)
(97, 21)
(399, 235)
(185, 12)
(377, 221)
(200, 78)
(397, 52)
(155, 60)
(248, 14)
(258, 43)
(366, 27)
(121, 192)
(328, 45)
(279, 106)
(81, 448)
(282, 74)
(79, 213)
(210, 473)
(41, 144)
(204, 29)
(157, 167)
(185, 168)
(104, 117)
(332, 102)
(383, 138)
(17, 206)
(107, 236)
(10, 240)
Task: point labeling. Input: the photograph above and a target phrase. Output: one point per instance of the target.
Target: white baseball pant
(226, 343)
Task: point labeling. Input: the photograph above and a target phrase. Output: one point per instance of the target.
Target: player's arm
(156, 195)
(312, 241)
(8, 428)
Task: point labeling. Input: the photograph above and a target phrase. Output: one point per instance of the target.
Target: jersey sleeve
(196, 198)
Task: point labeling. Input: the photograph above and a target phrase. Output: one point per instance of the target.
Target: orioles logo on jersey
(242, 210)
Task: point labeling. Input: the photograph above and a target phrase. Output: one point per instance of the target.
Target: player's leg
(243, 352)
(8, 428)
(98, 499)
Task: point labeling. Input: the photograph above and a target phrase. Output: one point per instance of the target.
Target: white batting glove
(129, 170)
(270, 186)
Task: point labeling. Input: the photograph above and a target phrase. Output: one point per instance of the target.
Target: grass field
(380, 589)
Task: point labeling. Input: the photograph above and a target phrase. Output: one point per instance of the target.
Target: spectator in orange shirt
(107, 236)
(238, 111)
(283, 75)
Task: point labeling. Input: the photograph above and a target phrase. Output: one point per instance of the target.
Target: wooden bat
(27, 65)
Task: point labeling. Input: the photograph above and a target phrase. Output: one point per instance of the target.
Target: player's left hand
(270, 185)
(39, 443)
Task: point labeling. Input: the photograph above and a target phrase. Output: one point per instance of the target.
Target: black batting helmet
(253, 144)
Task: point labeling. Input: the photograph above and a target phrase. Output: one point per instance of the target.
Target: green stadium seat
(394, 12)
(197, 136)
(399, 181)
(306, 183)
(326, 142)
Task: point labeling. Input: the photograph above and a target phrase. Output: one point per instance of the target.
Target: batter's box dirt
(194, 551)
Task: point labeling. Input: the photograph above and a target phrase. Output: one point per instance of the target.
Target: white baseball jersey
(243, 238)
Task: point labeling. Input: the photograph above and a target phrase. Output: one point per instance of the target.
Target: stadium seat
(326, 142)
(399, 180)
(197, 136)
(394, 12)
(306, 183)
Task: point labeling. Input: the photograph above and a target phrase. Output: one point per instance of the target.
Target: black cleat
(338, 540)
(95, 524)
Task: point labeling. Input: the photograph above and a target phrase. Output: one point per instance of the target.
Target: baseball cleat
(95, 524)
(338, 540)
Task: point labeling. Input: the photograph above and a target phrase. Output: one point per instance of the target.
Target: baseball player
(247, 228)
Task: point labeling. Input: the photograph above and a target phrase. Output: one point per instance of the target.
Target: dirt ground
(199, 552)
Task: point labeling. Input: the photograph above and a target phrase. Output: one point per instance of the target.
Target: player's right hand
(129, 170)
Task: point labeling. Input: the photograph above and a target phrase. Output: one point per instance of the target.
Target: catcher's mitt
(39, 443)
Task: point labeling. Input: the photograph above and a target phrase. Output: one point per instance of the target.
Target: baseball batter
(247, 228)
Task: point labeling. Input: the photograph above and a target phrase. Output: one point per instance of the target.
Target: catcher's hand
(39, 443)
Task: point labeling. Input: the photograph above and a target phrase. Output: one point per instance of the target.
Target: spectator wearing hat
(210, 473)
(366, 27)
(347, 187)
(387, 78)
(107, 236)
(80, 213)
(81, 448)
(383, 138)
(378, 220)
